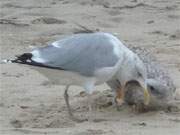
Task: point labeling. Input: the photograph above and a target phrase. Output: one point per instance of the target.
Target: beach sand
(30, 104)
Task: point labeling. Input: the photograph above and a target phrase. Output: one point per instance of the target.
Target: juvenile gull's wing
(82, 53)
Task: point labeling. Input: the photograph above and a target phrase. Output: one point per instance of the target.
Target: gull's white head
(133, 69)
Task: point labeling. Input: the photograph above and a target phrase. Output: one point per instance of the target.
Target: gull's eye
(152, 88)
(139, 74)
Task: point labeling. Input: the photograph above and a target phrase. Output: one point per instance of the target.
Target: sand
(31, 105)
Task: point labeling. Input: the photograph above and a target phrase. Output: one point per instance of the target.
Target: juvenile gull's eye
(139, 74)
(152, 88)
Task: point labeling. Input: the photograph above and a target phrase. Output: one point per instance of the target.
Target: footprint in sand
(174, 16)
(105, 4)
(158, 32)
(116, 19)
(91, 132)
(16, 123)
(57, 123)
(114, 12)
(47, 20)
(175, 36)
(150, 22)
(105, 25)
(18, 75)
(10, 5)
(12, 22)
(14, 5)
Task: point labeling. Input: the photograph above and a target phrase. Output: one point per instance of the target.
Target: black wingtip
(26, 59)
(22, 58)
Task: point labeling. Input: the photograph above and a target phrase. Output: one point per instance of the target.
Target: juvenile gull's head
(160, 95)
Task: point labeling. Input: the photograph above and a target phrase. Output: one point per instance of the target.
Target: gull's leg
(66, 97)
(90, 107)
(89, 87)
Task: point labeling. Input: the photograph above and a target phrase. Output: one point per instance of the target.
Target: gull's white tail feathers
(5, 61)
(19, 59)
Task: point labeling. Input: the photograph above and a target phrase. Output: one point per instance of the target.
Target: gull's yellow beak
(146, 97)
(146, 92)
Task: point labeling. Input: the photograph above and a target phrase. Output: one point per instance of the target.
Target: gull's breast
(62, 77)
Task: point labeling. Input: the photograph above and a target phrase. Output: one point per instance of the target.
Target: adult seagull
(87, 60)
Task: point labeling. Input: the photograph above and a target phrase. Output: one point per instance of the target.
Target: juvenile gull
(159, 84)
(87, 60)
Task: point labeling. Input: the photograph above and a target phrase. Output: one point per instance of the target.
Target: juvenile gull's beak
(146, 92)
(146, 97)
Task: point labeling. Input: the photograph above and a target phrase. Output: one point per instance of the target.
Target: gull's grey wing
(82, 53)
